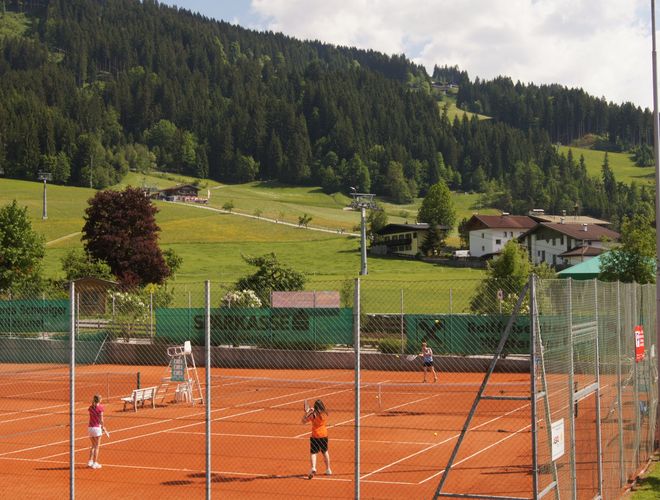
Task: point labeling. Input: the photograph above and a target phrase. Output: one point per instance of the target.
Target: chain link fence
(483, 389)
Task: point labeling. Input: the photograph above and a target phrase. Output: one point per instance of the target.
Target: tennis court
(259, 446)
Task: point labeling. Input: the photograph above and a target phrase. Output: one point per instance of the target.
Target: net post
(72, 390)
(356, 348)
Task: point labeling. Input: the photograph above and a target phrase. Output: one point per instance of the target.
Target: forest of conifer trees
(94, 88)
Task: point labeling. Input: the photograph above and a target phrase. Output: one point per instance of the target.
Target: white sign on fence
(557, 439)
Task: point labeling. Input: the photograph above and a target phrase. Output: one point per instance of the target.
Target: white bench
(140, 396)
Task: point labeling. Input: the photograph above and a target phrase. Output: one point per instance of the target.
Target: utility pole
(45, 176)
(362, 201)
(656, 153)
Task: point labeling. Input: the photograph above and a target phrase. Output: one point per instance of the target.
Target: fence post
(356, 348)
(571, 389)
(207, 343)
(72, 390)
(532, 375)
(599, 444)
(402, 322)
(619, 394)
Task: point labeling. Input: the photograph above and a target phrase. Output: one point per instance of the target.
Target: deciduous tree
(21, 248)
(120, 229)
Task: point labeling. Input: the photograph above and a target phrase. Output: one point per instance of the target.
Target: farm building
(401, 239)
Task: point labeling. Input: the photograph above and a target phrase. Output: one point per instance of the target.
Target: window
(482, 236)
(483, 248)
(561, 239)
(414, 236)
(498, 241)
(505, 234)
(553, 242)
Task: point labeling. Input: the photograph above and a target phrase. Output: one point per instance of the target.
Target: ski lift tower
(45, 176)
(362, 201)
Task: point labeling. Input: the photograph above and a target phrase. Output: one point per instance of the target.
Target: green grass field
(621, 164)
(211, 242)
(453, 111)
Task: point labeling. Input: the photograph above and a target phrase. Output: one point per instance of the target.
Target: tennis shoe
(90, 463)
(328, 472)
(96, 465)
(311, 474)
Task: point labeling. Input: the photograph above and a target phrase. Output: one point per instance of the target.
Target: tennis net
(379, 397)
(55, 386)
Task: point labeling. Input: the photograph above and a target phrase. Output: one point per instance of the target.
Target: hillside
(91, 90)
(212, 242)
(622, 165)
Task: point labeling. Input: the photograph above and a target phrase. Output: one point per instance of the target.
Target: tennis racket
(411, 357)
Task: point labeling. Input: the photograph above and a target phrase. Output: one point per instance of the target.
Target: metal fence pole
(207, 355)
(356, 348)
(619, 382)
(402, 321)
(72, 390)
(599, 444)
(571, 390)
(532, 372)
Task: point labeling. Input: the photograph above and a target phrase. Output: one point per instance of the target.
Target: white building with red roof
(562, 243)
(489, 233)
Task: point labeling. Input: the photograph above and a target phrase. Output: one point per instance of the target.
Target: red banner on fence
(639, 343)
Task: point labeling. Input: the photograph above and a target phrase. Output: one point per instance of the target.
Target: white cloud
(603, 46)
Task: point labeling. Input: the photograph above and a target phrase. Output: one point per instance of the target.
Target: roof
(569, 219)
(92, 280)
(577, 231)
(500, 222)
(586, 270)
(584, 251)
(179, 187)
(402, 228)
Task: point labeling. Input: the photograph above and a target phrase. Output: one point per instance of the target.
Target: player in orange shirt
(318, 442)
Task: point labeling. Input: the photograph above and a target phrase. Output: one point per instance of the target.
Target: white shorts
(95, 431)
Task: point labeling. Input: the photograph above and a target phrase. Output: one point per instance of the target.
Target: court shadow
(402, 413)
(176, 483)
(60, 468)
(249, 479)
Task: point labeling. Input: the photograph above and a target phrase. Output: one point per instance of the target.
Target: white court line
(478, 452)
(296, 438)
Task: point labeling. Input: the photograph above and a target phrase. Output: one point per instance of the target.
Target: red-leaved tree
(120, 229)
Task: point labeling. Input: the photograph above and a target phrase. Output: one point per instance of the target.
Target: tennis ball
(435, 433)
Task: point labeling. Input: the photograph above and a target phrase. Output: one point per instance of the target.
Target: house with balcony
(562, 244)
(489, 233)
(401, 239)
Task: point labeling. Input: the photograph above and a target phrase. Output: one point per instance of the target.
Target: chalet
(563, 243)
(182, 192)
(401, 239)
(489, 233)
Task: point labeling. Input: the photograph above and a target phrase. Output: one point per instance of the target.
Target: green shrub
(389, 346)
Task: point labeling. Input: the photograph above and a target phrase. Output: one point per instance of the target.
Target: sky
(602, 46)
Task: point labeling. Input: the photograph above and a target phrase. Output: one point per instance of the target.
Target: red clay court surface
(259, 447)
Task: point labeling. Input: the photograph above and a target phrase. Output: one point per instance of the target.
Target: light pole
(45, 176)
(362, 201)
(656, 153)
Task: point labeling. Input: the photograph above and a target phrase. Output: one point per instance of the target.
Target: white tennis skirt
(95, 431)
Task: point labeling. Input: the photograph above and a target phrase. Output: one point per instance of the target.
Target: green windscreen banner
(258, 326)
(34, 316)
